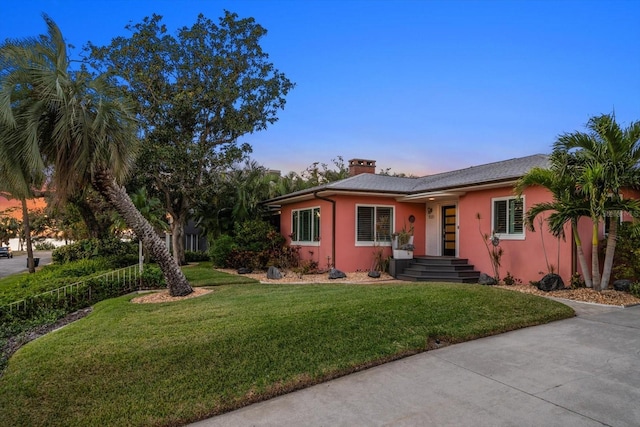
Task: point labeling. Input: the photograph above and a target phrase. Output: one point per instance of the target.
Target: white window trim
(304, 242)
(374, 243)
(507, 236)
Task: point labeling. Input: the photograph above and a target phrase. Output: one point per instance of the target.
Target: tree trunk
(611, 248)
(27, 235)
(177, 240)
(581, 258)
(595, 261)
(87, 212)
(120, 200)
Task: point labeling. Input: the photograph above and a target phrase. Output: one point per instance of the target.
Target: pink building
(343, 223)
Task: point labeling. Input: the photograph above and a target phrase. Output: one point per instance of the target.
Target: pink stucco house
(342, 223)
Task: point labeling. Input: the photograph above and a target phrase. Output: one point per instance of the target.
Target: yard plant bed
(608, 296)
(176, 362)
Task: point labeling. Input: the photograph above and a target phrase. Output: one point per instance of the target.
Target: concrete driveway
(583, 371)
(18, 263)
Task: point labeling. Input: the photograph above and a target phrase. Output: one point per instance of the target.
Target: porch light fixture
(432, 198)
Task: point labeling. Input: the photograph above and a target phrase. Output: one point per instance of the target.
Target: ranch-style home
(344, 223)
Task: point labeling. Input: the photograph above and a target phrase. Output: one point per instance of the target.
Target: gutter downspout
(333, 227)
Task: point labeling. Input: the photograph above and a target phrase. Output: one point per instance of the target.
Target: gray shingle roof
(492, 172)
(505, 170)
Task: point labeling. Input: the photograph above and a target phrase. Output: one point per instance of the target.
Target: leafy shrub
(509, 280)
(634, 289)
(284, 256)
(256, 245)
(44, 246)
(220, 249)
(196, 256)
(626, 261)
(152, 277)
(577, 281)
(238, 259)
(306, 267)
(93, 248)
(81, 268)
(121, 261)
(251, 235)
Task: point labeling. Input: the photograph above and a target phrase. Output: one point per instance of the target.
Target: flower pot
(402, 254)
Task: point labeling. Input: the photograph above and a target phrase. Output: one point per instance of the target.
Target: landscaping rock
(245, 270)
(622, 285)
(336, 274)
(551, 282)
(274, 273)
(485, 279)
(374, 274)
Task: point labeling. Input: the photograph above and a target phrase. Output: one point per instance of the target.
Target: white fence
(117, 282)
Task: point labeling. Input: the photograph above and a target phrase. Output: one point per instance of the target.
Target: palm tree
(18, 182)
(566, 206)
(79, 125)
(151, 209)
(605, 162)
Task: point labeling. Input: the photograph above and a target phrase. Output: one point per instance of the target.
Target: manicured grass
(203, 274)
(167, 364)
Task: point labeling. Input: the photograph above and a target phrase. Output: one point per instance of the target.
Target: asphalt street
(18, 263)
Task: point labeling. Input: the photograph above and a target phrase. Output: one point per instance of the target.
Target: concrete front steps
(436, 269)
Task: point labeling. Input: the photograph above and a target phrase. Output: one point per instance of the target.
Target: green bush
(634, 289)
(577, 281)
(196, 256)
(509, 280)
(93, 248)
(256, 245)
(246, 259)
(44, 246)
(81, 268)
(220, 249)
(251, 235)
(152, 278)
(121, 261)
(626, 261)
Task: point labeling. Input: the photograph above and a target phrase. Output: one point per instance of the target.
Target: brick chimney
(358, 166)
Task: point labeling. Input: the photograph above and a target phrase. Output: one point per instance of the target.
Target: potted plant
(402, 243)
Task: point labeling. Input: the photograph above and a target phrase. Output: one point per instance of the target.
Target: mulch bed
(608, 296)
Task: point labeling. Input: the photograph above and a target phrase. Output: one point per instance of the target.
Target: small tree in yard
(196, 93)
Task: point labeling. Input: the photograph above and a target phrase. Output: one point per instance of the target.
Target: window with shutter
(508, 217)
(374, 224)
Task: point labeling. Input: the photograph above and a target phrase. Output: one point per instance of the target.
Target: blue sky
(419, 86)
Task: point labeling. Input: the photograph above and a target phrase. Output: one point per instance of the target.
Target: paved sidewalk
(583, 371)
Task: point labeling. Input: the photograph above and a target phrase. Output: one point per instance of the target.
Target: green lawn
(168, 364)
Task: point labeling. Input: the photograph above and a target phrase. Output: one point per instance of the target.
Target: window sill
(510, 236)
(295, 243)
(370, 244)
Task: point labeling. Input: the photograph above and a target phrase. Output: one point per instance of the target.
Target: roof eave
(445, 192)
(310, 195)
